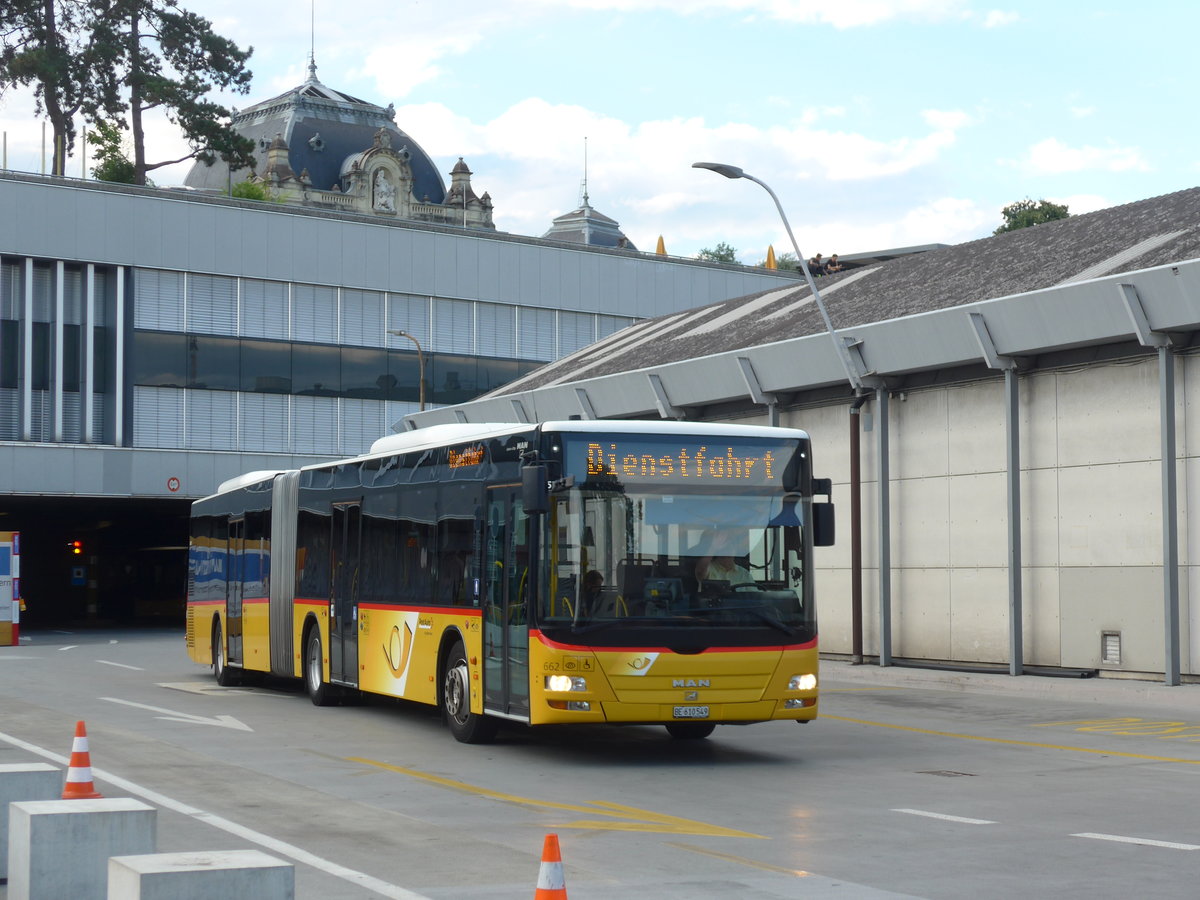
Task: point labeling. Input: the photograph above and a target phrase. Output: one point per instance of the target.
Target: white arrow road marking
(173, 716)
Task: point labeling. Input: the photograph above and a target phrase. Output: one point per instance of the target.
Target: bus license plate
(691, 712)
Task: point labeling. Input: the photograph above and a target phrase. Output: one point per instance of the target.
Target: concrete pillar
(24, 781)
(201, 875)
(60, 848)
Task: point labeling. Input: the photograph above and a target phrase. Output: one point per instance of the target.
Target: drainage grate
(946, 773)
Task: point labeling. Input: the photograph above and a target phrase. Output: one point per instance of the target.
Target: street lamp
(855, 478)
(838, 345)
(420, 360)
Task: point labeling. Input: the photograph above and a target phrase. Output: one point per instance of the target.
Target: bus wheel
(690, 731)
(465, 725)
(226, 677)
(319, 690)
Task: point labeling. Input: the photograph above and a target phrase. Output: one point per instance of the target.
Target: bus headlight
(565, 683)
(802, 683)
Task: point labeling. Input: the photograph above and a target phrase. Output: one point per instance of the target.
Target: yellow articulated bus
(567, 572)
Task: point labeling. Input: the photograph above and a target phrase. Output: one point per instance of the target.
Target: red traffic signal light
(76, 548)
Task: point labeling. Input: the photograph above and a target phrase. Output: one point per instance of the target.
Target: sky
(879, 123)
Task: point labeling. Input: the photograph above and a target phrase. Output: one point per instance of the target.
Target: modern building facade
(154, 343)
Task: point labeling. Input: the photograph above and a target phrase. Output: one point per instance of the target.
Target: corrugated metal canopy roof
(1040, 290)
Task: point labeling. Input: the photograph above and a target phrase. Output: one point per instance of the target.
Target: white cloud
(838, 13)
(1053, 157)
(1082, 112)
(996, 18)
(1083, 203)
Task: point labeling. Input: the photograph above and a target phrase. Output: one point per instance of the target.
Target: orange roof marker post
(771, 257)
(661, 249)
(551, 885)
(79, 773)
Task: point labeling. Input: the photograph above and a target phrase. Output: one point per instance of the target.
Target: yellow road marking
(990, 740)
(636, 819)
(729, 857)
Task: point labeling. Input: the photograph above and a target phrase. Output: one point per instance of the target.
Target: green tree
(249, 190)
(113, 61)
(1025, 212)
(108, 149)
(171, 59)
(722, 253)
(60, 49)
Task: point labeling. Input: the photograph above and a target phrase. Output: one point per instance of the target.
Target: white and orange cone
(551, 885)
(79, 773)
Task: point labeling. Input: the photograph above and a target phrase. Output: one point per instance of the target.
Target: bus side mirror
(823, 524)
(535, 489)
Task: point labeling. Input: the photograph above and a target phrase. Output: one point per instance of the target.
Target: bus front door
(345, 546)
(505, 604)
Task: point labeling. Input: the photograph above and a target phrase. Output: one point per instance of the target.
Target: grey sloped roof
(586, 225)
(1125, 238)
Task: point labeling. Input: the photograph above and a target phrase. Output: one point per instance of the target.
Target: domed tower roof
(586, 225)
(322, 128)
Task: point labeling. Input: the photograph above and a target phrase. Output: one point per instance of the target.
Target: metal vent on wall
(1110, 648)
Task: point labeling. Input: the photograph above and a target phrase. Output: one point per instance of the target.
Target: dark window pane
(364, 373)
(159, 359)
(404, 379)
(453, 378)
(316, 370)
(10, 343)
(72, 357)
(494, 373)
(213, 363)
(41, 356)
(100, 359)
(267, 367)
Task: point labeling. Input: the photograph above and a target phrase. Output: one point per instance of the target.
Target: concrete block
(203, 875)
(60, 848)
(24, 781)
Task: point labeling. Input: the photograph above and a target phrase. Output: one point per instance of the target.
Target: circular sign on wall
(172, 484)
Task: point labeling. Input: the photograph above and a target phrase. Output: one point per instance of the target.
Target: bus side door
(235, 587)
(345, 547)
(505, 599)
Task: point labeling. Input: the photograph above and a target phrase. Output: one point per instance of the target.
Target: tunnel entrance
(96, 562)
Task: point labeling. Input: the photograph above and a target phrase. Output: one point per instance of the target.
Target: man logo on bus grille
(691, 682)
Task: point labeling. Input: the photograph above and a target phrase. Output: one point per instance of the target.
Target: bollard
(60, 848)
(23, 781)
(201, 875)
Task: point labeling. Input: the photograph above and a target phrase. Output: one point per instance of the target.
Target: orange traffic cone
(551, 885)
(79, 774)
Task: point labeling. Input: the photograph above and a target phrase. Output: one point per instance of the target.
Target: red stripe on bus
(437, 610)
(809, 645)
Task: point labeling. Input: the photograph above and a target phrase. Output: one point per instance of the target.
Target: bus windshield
(627, 559)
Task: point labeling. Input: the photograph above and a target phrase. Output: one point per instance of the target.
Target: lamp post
(855, 380)
(735, 172)
(420, 361)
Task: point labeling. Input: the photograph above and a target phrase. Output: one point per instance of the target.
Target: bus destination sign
(632, 459)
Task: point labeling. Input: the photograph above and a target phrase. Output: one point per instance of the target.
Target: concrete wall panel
(976, 419)
(919, 434)
(920, 523)
(1111, 515)
(1117, 598)
(978, 510)
(921, 615)
(979, 615)
(1108, 413)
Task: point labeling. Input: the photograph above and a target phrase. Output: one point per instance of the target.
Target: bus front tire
(319, 690)
(690, 731)
(465, 725)
(226, 677)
